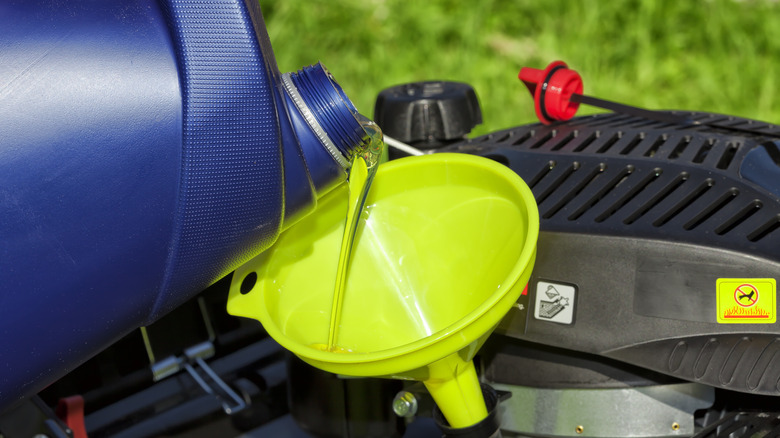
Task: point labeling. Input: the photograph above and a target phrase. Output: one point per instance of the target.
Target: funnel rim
(520, 269)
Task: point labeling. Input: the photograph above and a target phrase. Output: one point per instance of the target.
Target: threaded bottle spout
(327, 110)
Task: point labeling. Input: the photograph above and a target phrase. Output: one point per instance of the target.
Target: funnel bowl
(446, 247)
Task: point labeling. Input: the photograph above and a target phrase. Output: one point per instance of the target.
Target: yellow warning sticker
(746, 301)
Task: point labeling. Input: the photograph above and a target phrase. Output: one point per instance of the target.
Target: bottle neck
(328, 112)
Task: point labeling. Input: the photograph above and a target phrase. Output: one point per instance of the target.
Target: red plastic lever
(552, 89)
(71, 411)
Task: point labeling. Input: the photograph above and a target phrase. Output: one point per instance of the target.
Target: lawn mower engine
(652, 307)
(658, 244)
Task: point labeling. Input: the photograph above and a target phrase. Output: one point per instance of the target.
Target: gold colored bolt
(579, 429)
(675, 426)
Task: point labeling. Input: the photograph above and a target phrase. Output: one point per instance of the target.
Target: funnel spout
(454, 386)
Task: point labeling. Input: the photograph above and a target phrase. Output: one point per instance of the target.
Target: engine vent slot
(632, 194)
(607, 119)
(680, 147)
(587, 142)
(764, 230)
(742, 123)
(739, 218)
(558, 182)
(678, 208)
(646, 123)
(544, 139)
(523, 138)
(716, 206)
(624, 121)
(609, 143)
(576, 190)
(717, 120)
(633, 144)
(504, 137)
(566, 140)
(655, 146)
(704, 150)
(728, 155)
(542, 173)
(603, 192)
(670, 188)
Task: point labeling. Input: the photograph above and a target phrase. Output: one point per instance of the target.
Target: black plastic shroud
(642, 218)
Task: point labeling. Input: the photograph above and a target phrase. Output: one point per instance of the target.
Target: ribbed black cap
(434, 113)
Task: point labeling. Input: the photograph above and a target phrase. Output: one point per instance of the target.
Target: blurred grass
(719, 56)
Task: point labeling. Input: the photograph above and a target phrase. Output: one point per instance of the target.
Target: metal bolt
(405, 404)
(579, 429)
(675, 426)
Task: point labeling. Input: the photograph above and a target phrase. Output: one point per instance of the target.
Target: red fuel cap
(552, 89)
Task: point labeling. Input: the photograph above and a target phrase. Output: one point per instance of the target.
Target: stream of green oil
(365, 163)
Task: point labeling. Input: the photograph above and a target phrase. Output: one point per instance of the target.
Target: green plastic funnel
(447, 246)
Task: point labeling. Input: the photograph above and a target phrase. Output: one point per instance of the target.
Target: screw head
(579, 429)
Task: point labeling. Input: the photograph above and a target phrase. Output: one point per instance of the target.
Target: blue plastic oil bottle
(147, 148)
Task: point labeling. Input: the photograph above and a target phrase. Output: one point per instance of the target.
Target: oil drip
(334, 349)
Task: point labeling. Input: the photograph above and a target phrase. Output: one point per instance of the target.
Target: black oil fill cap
(428, 114)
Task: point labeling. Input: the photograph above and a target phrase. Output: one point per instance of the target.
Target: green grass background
(719, 56)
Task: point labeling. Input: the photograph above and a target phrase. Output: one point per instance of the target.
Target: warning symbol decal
(555, 302)
(746, 300)
(746, 295)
